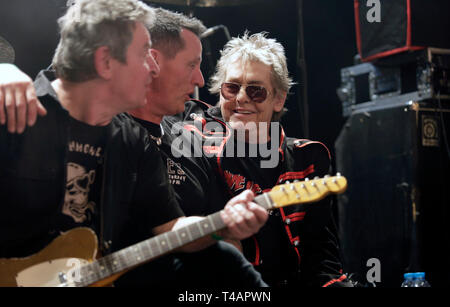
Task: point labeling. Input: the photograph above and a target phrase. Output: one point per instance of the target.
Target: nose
(198, 79)
(153, 66)
(241, 96)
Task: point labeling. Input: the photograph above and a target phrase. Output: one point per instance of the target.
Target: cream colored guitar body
(50, 266)
(52, 273)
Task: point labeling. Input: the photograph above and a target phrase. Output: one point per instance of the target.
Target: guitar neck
(282, 195)
(154, 247)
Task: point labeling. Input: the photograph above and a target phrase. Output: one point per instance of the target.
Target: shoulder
(197, 114)
(307, 152)
(305, 145)
(196, 105)
(132, 133)
(190, 107)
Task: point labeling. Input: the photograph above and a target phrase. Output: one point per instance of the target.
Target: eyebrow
(196, 61)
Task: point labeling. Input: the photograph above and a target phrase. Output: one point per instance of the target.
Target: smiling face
(177, 79)
(241, 110)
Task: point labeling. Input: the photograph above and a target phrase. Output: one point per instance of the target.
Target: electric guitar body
(77, 246)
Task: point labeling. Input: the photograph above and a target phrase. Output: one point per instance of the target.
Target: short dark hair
(165, 32)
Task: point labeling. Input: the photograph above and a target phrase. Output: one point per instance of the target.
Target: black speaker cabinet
(386, 27)
(396, 207)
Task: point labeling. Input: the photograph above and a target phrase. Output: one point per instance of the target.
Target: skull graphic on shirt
(76, 199)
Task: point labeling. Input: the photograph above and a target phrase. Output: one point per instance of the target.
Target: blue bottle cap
(420, 275)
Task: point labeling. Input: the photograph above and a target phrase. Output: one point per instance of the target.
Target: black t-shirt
(196, 187)
(84, 173)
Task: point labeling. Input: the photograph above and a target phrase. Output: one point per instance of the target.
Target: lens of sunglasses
(255, 92)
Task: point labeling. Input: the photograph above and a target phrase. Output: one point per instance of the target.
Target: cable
(444, 130)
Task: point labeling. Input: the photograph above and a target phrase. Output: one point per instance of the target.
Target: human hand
(242, 217)
(19, 105)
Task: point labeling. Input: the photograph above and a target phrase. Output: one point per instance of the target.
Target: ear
(157, 55)
(103, 62)
(279, 101)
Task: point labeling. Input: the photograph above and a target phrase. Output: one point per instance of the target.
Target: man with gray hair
(87, 163)
(295, 247)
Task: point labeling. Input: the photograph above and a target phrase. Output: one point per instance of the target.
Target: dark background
(323, 33)
(329, 44)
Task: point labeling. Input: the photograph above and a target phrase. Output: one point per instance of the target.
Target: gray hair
(166, 31)
(256, 47)
(90, 24)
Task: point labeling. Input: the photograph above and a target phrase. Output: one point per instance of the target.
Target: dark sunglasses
(256, 93)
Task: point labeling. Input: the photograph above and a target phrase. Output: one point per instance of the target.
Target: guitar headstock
(307, 191)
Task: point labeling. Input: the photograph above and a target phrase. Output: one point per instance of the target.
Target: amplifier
(396, 207)
(387, 27)
(392, 81)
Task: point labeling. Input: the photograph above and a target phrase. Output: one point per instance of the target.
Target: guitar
(70, 259)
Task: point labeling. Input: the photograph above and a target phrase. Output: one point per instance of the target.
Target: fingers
(242, 217)
(35, 108)
(40, 108)
(2, 107)
(245, 196)
(10, 107)
(19, 105)
(20, 111)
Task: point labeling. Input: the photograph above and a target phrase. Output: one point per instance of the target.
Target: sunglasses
(256, 93)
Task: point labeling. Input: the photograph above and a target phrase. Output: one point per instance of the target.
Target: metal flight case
(394, 151)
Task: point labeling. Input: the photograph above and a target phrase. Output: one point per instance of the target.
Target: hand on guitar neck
(53, 266)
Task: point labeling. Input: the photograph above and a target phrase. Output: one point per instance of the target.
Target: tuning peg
(317, 177)
(306, 179)
(338, 174)
(283, 190)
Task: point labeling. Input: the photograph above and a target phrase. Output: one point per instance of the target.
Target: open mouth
(245, 112)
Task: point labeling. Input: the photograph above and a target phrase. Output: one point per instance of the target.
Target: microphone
(212, 30)
(7, 54)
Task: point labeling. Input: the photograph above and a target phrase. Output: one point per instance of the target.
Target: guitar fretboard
(127, 258)
(152, 248)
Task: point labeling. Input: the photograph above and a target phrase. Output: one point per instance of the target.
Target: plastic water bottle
(420, 280)
(409, 280)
